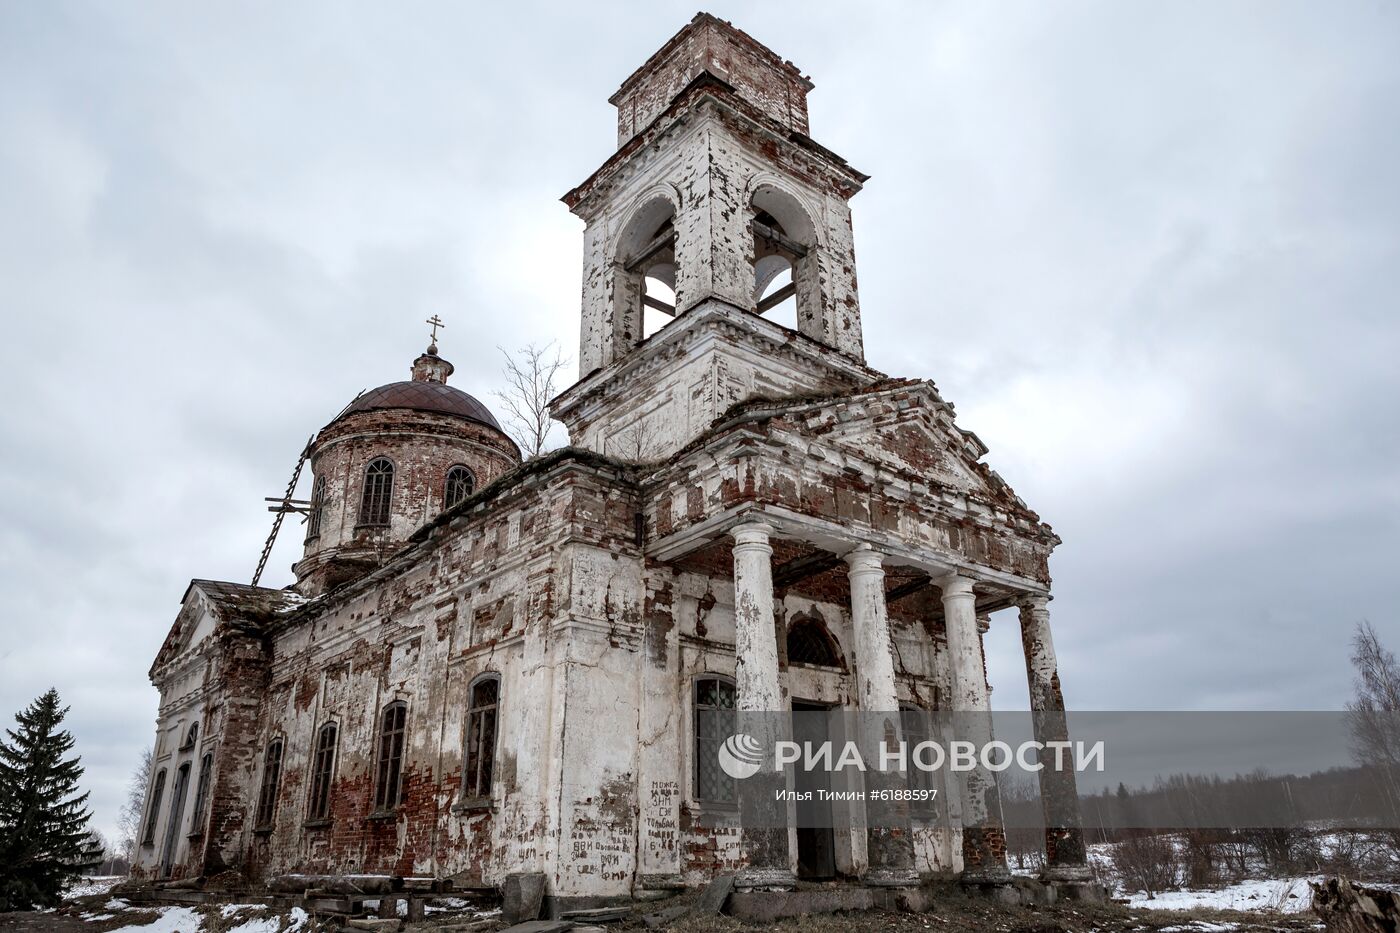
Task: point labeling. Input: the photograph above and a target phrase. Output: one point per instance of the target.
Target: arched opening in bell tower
(784, 264)
(646, 255)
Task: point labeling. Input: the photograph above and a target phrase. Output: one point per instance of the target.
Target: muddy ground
(956, 916)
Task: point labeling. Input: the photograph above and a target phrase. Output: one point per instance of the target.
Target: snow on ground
(1289, 895)
(90, 886)
(168, 920)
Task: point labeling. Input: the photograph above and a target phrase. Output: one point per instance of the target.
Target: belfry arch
(644, 270)
(785, 246)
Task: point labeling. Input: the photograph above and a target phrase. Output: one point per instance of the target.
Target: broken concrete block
(521, 896)
(716, 893)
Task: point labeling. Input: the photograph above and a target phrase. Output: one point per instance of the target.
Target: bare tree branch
(133, 808)
(532, 377)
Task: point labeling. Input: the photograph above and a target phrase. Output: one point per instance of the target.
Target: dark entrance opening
(177, 813)
(816, 840)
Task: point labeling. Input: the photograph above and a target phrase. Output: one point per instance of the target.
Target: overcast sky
(1149, 250)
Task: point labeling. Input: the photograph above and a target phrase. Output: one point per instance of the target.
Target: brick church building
(489, 666)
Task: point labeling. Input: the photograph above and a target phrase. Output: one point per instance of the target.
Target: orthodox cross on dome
(436, 322)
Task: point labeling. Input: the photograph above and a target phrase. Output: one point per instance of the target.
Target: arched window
(481, 736)
(272, 776)
(322, 771)
(191, 737)
(201, 794)
(460, 485)
(808, 642)
(317, 512)
(379, 489)
(714, 722)
(389, 765)
(148, 838)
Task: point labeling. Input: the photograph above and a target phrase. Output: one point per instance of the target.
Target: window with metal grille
(318, 508)
(148, 838)
(201, 794)
(390, 762)
(379, 489)
(460, 484)
(272, 775)
(322, 770)
(714, 722)
(808, 642)
(481, 736)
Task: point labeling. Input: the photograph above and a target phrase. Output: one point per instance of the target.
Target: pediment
(194, 622)
(210, 604)
(908, 430)
(909, 445)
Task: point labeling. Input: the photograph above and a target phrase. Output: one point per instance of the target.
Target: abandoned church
(490, 666)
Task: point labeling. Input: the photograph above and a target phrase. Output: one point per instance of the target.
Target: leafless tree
(637, 444)
(1147, 862)
(532, 377)
(1374, 717)
(133, 809)
(1375, 738)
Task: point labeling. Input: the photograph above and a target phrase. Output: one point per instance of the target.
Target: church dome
(394, 459)
(424, 396)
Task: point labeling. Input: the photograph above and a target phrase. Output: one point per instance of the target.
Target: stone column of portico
(983, 835)
(889, 845)
(758, 695)
(1064, 834)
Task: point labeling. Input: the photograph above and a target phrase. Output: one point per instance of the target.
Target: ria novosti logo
(740, 756)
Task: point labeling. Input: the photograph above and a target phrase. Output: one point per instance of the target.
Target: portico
(777, 559)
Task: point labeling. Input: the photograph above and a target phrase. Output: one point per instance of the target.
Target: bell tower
(715, 191)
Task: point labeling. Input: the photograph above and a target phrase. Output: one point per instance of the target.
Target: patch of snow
(1201, 926)
(228, 910)
(117, 903)
(87, 887)
(1287, 895)
(95, 918)
(299, 918)
(266, 925)
(168, 920)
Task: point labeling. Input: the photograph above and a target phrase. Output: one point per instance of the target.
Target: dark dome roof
(424, 396)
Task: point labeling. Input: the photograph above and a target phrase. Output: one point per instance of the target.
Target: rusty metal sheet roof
(424, 396)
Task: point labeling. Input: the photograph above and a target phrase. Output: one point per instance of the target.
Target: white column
(870, 618)
(964, 645)
(763, 829)
(755, 636)
(984, 839)
(1065, 858)
(889, 847)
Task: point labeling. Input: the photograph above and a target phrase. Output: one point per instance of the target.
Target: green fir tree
(44, 837)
